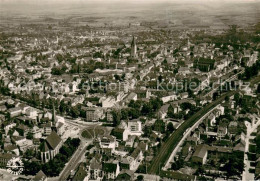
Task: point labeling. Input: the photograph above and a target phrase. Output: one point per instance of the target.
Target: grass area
(176, 175)
(223, 143)
(252, 164)
(252, 140)
(253, 134)
(251, 156)
(91, 133)
(87, 134)
(254, 81)
(251, 170)
(167, 148)
(252, 148)
(99, 131)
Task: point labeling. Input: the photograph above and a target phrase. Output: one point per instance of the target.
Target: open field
(173, 14)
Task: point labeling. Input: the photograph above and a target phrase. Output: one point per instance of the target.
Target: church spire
(53, 115)
(133, 48)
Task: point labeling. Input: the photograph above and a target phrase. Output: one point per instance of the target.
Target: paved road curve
(185, 135)
(74, 161)
(167, 148)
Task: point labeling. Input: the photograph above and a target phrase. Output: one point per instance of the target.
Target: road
(170, 144)
(74, 161)
(167, 165)
(222, 83)
(167, 148)
(250, 128)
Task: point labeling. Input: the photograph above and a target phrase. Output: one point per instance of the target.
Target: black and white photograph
(129, 90)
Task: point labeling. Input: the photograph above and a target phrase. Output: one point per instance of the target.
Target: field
(174, 14)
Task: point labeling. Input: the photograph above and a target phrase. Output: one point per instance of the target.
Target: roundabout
(93, 132)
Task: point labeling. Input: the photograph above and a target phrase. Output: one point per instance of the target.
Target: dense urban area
(135, 102)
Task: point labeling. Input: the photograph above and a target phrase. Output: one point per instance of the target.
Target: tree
(29, 136)
(156, 104)
(74, 111)
(226, 98)
(200, 170)
(234, 166)
(170, 127)
(116, 117)
(134, 113)
(124, 113)
(160, 78)
(140, 177)
(170, 112)
(147, 108)
(215, 95)
(159, 125)
(258, 89)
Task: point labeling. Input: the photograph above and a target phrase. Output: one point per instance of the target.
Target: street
(250, 128)
(74, 161)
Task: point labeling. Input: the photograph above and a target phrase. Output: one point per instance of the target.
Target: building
(108, 142)
(133, 49)
(125, 175)
(134, 127)
(204, 65)
(16, 111)
(47, 129)
(108, 102)
(4, 158)
(111, 170)
(200, 154)
(95, 170)
(93, 113)
(40, 176)
(50, 147)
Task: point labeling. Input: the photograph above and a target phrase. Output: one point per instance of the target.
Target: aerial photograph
(129, 90)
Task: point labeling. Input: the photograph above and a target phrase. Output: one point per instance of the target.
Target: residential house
(94, 113)
(108, 142)
(184, 70)
(138, 157)
(16, 111)
(125, 175)
(222, 131)
(40, 176)
(60, 128)
(162, 113)
(171, 97)
(47, 129)
(37, 132)
(23, 143)
(127, 163)
(95, 169)
(134, 127)
(200, 154)
(31, 112)
(108, 102)
(111, 170)
(8, 127)
(4, 158)
(10, 148)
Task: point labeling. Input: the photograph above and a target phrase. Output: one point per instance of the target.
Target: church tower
(133, 48)
(53, 116)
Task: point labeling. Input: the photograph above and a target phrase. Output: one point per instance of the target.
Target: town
(135, 102)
